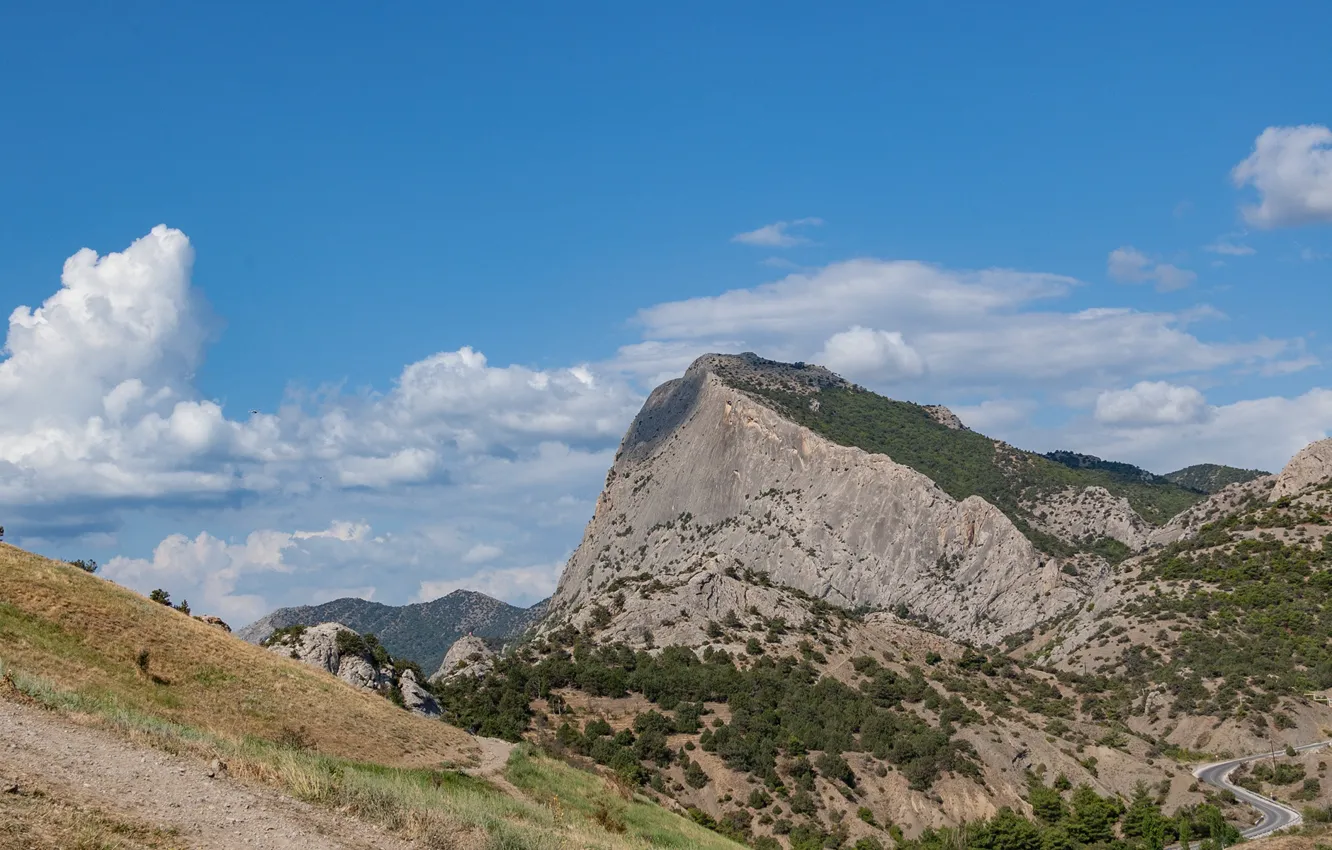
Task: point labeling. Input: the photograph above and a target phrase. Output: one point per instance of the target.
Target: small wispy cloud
(1129, 265)
(1231, 246)
(1309, 255)
(777, 234)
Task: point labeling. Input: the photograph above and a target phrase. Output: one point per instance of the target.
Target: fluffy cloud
(777, 234)
(1260, 433)
(1129, 265)
(975, 331)
(1151, 403)
(241, 581)
(1291, 169)
(865, 353)
(97, 404)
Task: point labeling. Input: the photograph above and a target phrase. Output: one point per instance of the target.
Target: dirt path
(162, 790)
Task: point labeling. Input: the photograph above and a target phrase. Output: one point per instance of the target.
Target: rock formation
(1310, 467)
(318, 647)
(216, 622)
(944, 417)
(469, 656)
(1089, 514)
(714, 494)
(415, 698)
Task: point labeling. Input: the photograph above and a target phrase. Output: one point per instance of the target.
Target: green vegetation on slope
(1212, 477)
(1253, 611)
(1238, 617)
(962, 462)
(1082, 818)
(778, 707)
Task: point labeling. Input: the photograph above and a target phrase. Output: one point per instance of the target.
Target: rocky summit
(720, 501)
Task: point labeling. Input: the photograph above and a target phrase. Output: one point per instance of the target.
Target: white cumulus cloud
(865, 353)
(1151, 403)
(971, 330)
(98, 406)
(1291, 169)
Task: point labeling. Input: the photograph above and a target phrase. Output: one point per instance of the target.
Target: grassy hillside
(73, 642)
(963, 462)
(86, 634)
(1212, 477)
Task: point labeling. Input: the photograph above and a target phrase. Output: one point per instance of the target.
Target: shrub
(695, 777)
(160, 596)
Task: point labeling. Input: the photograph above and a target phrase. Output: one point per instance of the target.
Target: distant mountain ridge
(1126, 471)
(421, 632)
(1212, 477)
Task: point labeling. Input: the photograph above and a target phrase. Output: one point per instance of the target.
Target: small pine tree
(160, 596)
(184, 606)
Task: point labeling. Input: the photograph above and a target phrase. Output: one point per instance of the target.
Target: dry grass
(70, 641)
(86, 634)
(50, 817)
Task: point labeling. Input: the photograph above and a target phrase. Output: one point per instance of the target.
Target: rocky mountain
(1212, 477)
(809, 615)
(421, 632)
(747, 479)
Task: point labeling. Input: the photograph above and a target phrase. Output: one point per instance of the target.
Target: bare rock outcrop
(318, 647)
(469, 656)
(1089, 514)
(711, 484)
(215, 622)
(944, 417)
(416, 698)
(1310, 467)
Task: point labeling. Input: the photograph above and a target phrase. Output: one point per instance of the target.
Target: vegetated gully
(1275, 815)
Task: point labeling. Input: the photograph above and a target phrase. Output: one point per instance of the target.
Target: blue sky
(394, 233)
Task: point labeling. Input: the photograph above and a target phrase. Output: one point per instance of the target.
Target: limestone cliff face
(712, 490)
(1091, 513)
(1310, 467)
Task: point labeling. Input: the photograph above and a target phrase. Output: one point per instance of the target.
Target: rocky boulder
(415, 698)
(469, 656)
(319, 647)
(1310, 467)
(215, 622)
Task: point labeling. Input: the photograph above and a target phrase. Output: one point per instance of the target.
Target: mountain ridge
(420, 631)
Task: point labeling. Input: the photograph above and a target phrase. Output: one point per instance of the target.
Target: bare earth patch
(144, 798)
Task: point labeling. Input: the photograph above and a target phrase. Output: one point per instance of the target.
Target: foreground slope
(101, 656)
(420, 632)
(87, 634)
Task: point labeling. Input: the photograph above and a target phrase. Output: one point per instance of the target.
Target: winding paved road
(1275, 815)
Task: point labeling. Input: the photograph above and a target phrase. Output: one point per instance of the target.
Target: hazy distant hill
(1211, 477)
(422, 632)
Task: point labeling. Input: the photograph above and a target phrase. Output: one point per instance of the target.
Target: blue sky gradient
(366, 188)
